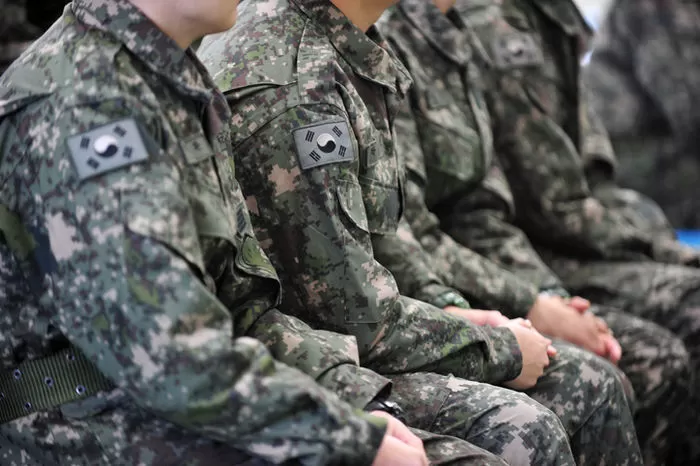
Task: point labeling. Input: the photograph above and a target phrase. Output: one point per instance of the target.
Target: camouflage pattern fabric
(643, 81)
(124, 233)
(314, 100)
(550, 144)
(132, 241)
(512, 425)
(461, 193)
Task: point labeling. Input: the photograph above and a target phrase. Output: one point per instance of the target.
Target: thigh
(445, 450)
(116, 431)
(506, 423)
(653, 358)
(649, 290)
(665, 294)
(577, 383)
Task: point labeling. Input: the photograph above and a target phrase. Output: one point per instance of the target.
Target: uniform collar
(367, 53)
(155, 49)
(439, 30)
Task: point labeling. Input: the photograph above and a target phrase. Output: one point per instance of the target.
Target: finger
(393, 452)
(601, 325)
(497, 319)
(551, 351)
(580, 304)
(408, 437)
(614, 350)
(594, 341)
(399, 430)
(525, 323)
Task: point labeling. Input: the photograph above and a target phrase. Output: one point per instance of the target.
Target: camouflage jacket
(458, 202)
(547, 136)
(313, 100)
(642, 78)
(126, 234)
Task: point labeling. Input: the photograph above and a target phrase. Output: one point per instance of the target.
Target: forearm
(415, 272)
(180, 363)
(332, 359)
(482, 220)
(448, 345)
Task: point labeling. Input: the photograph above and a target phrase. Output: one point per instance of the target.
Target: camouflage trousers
(586, 394)
(658, 367)
(121, 433)
(668, 295)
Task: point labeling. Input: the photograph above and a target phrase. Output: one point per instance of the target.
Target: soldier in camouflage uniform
(16, 33)
(128, 263)
(314, 94)
(460, 209)
(610, 245)
(644, 80)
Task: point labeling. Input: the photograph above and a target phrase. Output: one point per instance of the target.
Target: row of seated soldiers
(277, 249)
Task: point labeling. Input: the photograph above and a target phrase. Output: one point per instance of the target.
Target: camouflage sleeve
(640, 211)
(554, 203)
(405, 258)
(483, 222)
(312, 221)
(597, 154)
(332, 359)
(483, 282)
(123, 263)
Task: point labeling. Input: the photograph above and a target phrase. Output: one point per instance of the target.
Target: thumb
(393, 452)
(613, 348)
(579, 304)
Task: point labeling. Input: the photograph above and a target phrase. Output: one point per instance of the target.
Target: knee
(537, 434)
(675, 361)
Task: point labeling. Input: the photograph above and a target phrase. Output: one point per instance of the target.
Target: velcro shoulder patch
(516, 50)
(107, 148)
(323, 144)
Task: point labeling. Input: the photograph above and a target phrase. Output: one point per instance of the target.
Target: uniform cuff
(441, 297)
(362, 447)
(355, 385)
(506, 360)
(521, 298)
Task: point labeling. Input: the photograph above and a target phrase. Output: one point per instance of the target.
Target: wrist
(555, 291)
(450, 298)
(390, 407)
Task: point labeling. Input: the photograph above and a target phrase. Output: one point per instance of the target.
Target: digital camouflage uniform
(458, 199)
(602, 243)
(314, 99)
(129, 268)
(643, 79)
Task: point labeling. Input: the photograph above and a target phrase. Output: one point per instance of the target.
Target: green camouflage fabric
(655, 361)
(305, 85)
(450, 198)
(317, 223)
(642, 78)
(549, 142)
(125, 234)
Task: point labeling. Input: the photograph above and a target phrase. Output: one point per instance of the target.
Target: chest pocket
(553, 35)
(455, 136)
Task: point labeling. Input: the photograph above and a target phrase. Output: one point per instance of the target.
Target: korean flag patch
(323, 144)
(109, 147)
